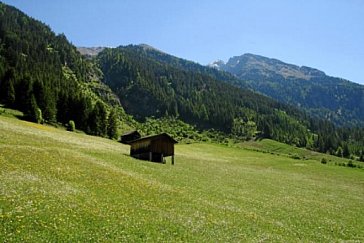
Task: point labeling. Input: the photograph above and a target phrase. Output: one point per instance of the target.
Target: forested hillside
(152, 83)
(335, 99)
(44, 76)
(149, 87)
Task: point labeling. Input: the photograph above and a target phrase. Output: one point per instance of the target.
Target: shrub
(350, 164)
(361, 156)
(324, 161)
(71, 126)
(38, 115)
(295, 156)
(112, 125)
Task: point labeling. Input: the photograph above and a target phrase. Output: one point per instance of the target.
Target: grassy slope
(274, 147)
(62, 186)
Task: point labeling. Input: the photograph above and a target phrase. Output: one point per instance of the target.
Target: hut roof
(154, 137)
(130, 132)
(129, 136)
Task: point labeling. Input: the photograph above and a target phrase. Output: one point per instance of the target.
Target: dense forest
(44, 75)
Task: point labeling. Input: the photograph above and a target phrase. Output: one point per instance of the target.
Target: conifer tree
(346, 151)
(112, 125)
(361, 156)
(98, 120)
(23, 94)
(35, 113)
(339, 152)
(7, 92)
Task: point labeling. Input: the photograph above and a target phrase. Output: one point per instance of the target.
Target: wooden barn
(153, 148)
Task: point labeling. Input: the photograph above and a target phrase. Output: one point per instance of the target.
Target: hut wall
(162, 146)
(140, 147)
(155, 148)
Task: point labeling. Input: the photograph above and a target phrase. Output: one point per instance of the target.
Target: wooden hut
(153, 148)
(130, 136)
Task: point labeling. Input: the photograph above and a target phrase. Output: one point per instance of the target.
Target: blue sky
(324, 34)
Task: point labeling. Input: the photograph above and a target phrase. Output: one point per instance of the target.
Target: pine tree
(98, 120)
(267, 130)
(79, 109)
(112, 125)
(45, 101)
(339, 152)
(361, 156)
(7, 92)
(346, 151)
(23, 94)
(35, 113)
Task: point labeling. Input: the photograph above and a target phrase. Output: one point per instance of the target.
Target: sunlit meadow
(61, 186)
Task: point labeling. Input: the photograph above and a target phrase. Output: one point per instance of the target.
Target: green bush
(350, 164)
(295, 156)
(324, 161)
(179, 130)
(71, 126)
(38, 115)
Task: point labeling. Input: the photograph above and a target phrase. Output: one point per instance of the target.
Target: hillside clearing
(62, 186)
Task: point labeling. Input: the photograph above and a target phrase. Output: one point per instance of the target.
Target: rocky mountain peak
(268, 67)
(216, 64)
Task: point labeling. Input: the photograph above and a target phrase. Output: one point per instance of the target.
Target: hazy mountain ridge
(336, 99)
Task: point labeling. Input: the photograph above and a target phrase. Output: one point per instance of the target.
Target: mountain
(43, 75)
(216, 64)
(152, 83)
(90, 51)
(335, 99)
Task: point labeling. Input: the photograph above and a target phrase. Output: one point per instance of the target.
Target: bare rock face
(90, 51)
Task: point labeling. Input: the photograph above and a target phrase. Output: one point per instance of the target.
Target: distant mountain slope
(335, 99)
(152, 83)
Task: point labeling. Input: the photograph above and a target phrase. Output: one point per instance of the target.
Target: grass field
(60, 186)
(274, 147)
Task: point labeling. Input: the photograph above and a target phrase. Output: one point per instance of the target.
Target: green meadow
(59, 186)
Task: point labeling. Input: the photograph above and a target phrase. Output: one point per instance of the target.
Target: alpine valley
(266, 151)
(49, 80)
